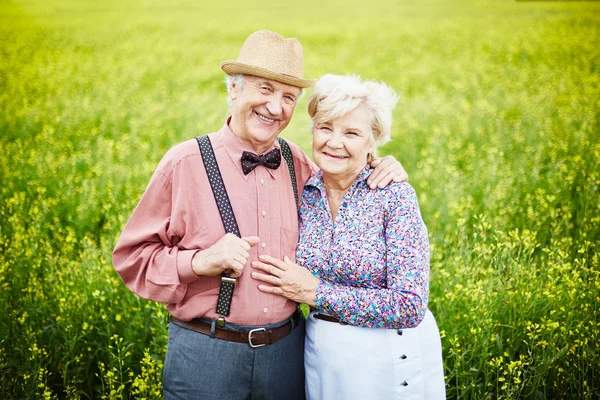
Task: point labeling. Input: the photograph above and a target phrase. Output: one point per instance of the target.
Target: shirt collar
(234, 147)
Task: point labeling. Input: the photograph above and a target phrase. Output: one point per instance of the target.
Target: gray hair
(238, 81)
(230, 81)
(334, 96)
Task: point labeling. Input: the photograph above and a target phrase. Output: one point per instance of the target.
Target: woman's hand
(286, 279)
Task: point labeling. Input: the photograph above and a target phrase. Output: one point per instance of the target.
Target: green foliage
(498, 126)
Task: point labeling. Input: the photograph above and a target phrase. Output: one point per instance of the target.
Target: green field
(498, 126)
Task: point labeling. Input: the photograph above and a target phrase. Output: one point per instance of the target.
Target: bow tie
(250, 161)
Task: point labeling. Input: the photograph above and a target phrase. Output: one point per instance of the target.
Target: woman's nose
(335, 141)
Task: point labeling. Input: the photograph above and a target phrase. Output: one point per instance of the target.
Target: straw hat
(269, 55)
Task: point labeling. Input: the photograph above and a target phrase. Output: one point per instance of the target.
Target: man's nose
(274, 106)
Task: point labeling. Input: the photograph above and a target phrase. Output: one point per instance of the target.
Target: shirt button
(264, 213)
(262, 181)
(264, 245)
(265, 310)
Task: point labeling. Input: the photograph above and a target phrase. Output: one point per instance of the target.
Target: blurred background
(498, 127)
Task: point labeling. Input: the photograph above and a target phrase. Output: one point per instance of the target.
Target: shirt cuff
(184, 266)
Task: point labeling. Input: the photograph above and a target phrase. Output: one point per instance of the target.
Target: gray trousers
(200, 367)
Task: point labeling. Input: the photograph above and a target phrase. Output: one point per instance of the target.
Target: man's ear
(233, 92)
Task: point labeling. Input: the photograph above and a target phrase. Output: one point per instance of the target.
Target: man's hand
(229, 255)
(386, 170)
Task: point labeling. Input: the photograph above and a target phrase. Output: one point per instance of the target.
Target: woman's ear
(371, 154)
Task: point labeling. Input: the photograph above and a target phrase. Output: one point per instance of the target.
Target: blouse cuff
(323, 289)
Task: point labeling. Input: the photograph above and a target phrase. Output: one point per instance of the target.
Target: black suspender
(286, 152)
(229, 221)
(224, 205)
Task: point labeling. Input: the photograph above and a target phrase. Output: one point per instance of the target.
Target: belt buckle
(254, 346)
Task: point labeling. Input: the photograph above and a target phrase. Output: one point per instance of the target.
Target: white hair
(334, 96)
(237, 80)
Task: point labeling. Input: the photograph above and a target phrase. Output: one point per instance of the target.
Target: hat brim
(234, 67)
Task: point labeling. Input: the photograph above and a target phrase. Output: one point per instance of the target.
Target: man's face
(262, 108)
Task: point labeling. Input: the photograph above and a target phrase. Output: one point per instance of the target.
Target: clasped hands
(285, 278)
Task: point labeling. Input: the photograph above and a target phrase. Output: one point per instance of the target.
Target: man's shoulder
(178, 153)
(183, 149)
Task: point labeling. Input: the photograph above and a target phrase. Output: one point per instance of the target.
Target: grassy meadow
(498, 126)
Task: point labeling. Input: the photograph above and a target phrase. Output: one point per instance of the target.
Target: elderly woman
(364, 257)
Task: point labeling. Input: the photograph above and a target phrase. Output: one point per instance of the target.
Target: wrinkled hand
(228, 255)
(286, 279)
(386, 170)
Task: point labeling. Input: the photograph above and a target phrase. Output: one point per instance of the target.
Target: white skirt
(350, 362)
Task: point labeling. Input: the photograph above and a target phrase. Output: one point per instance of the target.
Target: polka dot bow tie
(250, 161)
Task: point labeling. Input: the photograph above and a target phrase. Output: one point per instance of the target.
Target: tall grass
(498, 126)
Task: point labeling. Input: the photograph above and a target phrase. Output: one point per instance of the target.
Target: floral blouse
(373, 260)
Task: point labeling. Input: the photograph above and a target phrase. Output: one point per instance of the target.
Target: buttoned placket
(263, 176)
(336, 236)
(328, 223)
(403, 357)
(264, 227)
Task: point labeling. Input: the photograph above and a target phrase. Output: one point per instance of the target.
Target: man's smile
(263, 118)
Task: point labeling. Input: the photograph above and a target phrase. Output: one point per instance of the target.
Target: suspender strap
(286, 152)
(229, 221)
(217, 186)
(224, 205)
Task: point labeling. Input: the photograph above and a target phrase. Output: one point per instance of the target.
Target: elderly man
(213, 205)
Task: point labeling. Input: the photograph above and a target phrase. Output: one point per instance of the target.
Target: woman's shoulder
(401, 201)
(399, 190)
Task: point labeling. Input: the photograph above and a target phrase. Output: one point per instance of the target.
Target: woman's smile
(335, 157)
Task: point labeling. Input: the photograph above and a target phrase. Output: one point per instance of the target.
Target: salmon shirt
(177, 216)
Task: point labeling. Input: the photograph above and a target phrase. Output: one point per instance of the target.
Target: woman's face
(340, 147)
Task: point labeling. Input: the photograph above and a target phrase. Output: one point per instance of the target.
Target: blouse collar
(316, 180)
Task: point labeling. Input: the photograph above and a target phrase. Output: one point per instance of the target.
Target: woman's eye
(352, 133)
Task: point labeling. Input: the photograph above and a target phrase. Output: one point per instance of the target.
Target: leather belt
(329, 318)
(256, 337)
